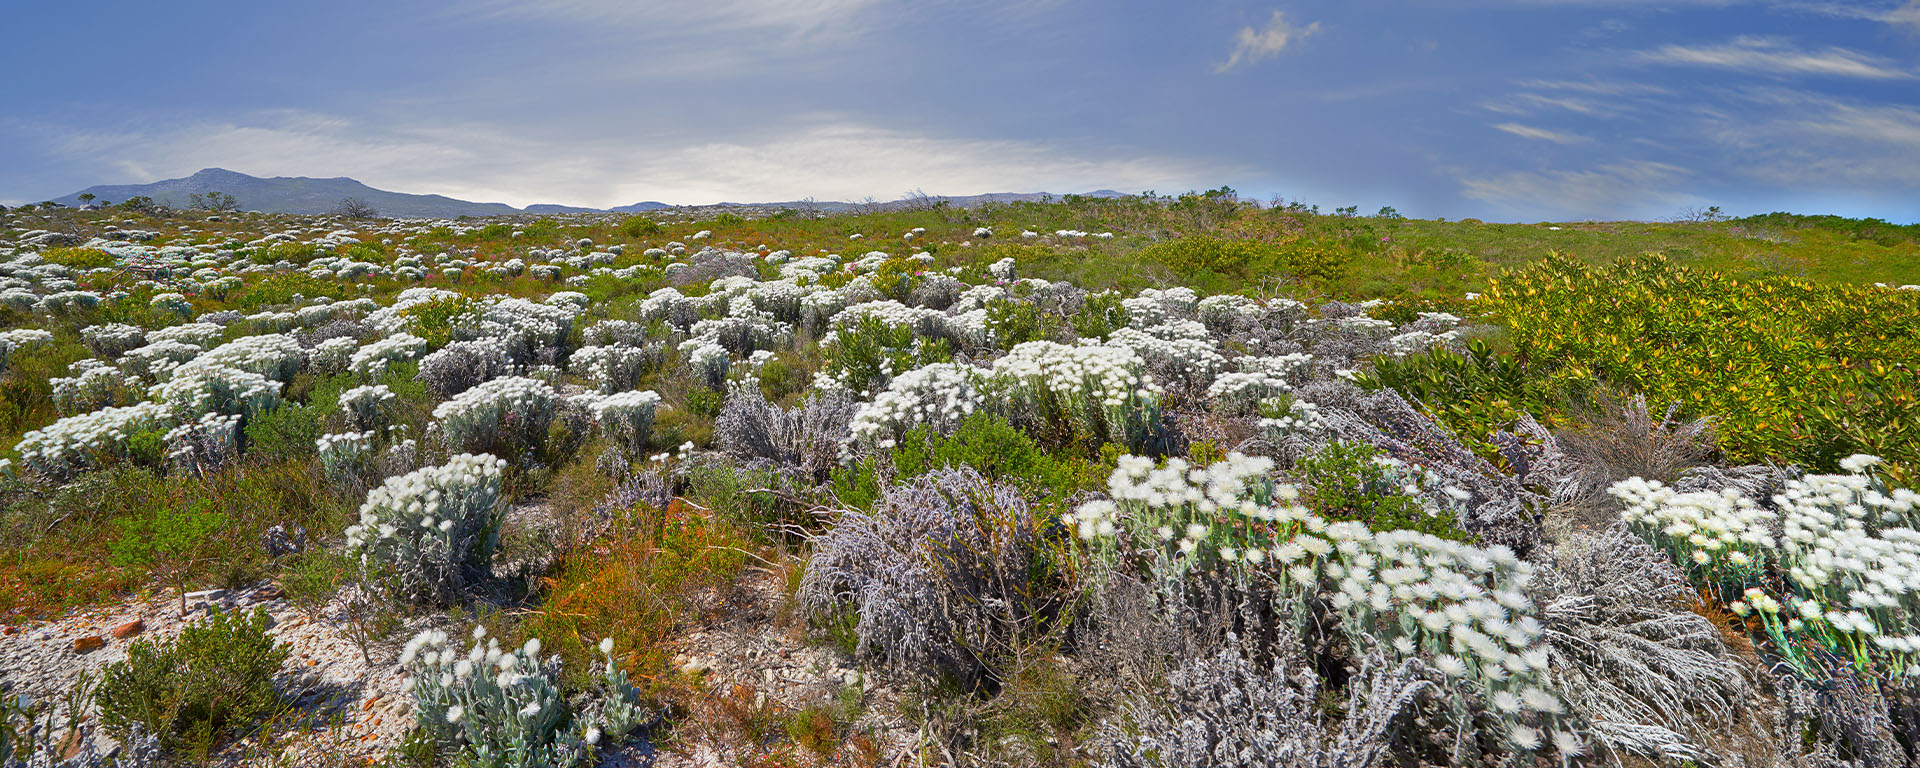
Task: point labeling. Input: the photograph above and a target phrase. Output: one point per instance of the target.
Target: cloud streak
(1542, 134)
(1772, 56)
(1253, 45)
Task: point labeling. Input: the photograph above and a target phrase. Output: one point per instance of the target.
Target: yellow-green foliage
(1789, 369)
(78, 258)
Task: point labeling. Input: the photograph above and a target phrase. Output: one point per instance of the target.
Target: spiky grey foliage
(1227, 711)
(709, 265)
(333, 329)
(805, 439)
(139, 750)
(463, 365)
(1852, 717)
(942, 577)
(1651, 677)
(1500, 510)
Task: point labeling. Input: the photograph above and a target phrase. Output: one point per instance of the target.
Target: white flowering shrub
(113, 339)
(507, 416)
(157, 359)
(343, 455)
(272, 356)
(1402, 592)
(940, 395)
(707, 362)
(504, 709)
(368, 407)
(1093, 393)
(1243, 392)
(627, 419)
(94, 386)
(194, 389)
(372, 359)
(204, 444)
(79, 443)
(1843, 575)
(423, 531)
(332, 355)
(614, 368)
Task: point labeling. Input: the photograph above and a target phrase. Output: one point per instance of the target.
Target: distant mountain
(640, 207)
(299, 194)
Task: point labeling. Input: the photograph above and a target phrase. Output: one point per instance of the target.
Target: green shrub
(78, 258)
(173, 544)
(285, 432)
(1013, 322)
(200, 691)
(639, 226)
(997, 449)
(1345, 482)
(1100, 316)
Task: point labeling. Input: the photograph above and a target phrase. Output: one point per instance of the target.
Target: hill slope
(291, 194)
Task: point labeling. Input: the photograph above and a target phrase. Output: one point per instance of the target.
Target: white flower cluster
(505, 706)
(201, 445)
(78, 443)
(1848, 557)
(371, 360)
(708, 362)
(627, 419)
(1410, 593)
(94, 385)
(423, 529)
(510, 414)
(368, 407)
(1100, 392)
(342, 454)
(940, 395)
(612, 368)
(1283, 417)
(193, 389)
(332, 356)
(1242, 392)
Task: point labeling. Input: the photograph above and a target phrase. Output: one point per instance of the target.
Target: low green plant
(199, 691)
(172, 543)
(1352, 481)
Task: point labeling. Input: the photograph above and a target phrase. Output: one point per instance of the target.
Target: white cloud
(1254, 45)
(1633, 189)
(823, 156)
(1760, 54)
(1541, 134)
(1812, 141)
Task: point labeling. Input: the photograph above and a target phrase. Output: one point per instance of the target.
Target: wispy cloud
(1814, 141)
(830, 157)
(1631, 189)
(1253, 45)
(1542, 134)
(1770, 55)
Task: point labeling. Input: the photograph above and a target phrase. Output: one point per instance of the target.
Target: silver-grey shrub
(942, 578)
(424, 531)
(462, 365)
(805, 439)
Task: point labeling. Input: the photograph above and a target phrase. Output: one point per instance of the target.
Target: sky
(1503, 110)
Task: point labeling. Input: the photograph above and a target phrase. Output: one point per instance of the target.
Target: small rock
(130, 629)
(88, 644)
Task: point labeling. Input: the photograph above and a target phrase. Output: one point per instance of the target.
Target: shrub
(426, 530)
(1788, 370)
(952, 575)
(507, 416)
(199, 691)
(78, 258)
(1353, 481)
(173, 543)
(504, 709)
(639, 226)
(284, 432)
(627, 419)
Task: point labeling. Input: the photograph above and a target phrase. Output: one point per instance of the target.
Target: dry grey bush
(463, 365)
(805, 439)
(708, 265)
(1619, 439)
(941, 578)
(332, 329)
(1228, 711)
(1650, 677)
(1851, 717)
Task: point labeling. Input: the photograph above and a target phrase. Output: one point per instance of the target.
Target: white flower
(455, 712)
(606, 645)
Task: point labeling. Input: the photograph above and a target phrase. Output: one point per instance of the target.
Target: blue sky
(1514, 110)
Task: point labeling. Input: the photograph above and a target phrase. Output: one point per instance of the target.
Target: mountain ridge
(310, 195)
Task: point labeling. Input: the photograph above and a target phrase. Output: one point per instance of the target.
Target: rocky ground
(752, 664)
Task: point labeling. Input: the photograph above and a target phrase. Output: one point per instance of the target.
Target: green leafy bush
(200, 691)
(1347, 481)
